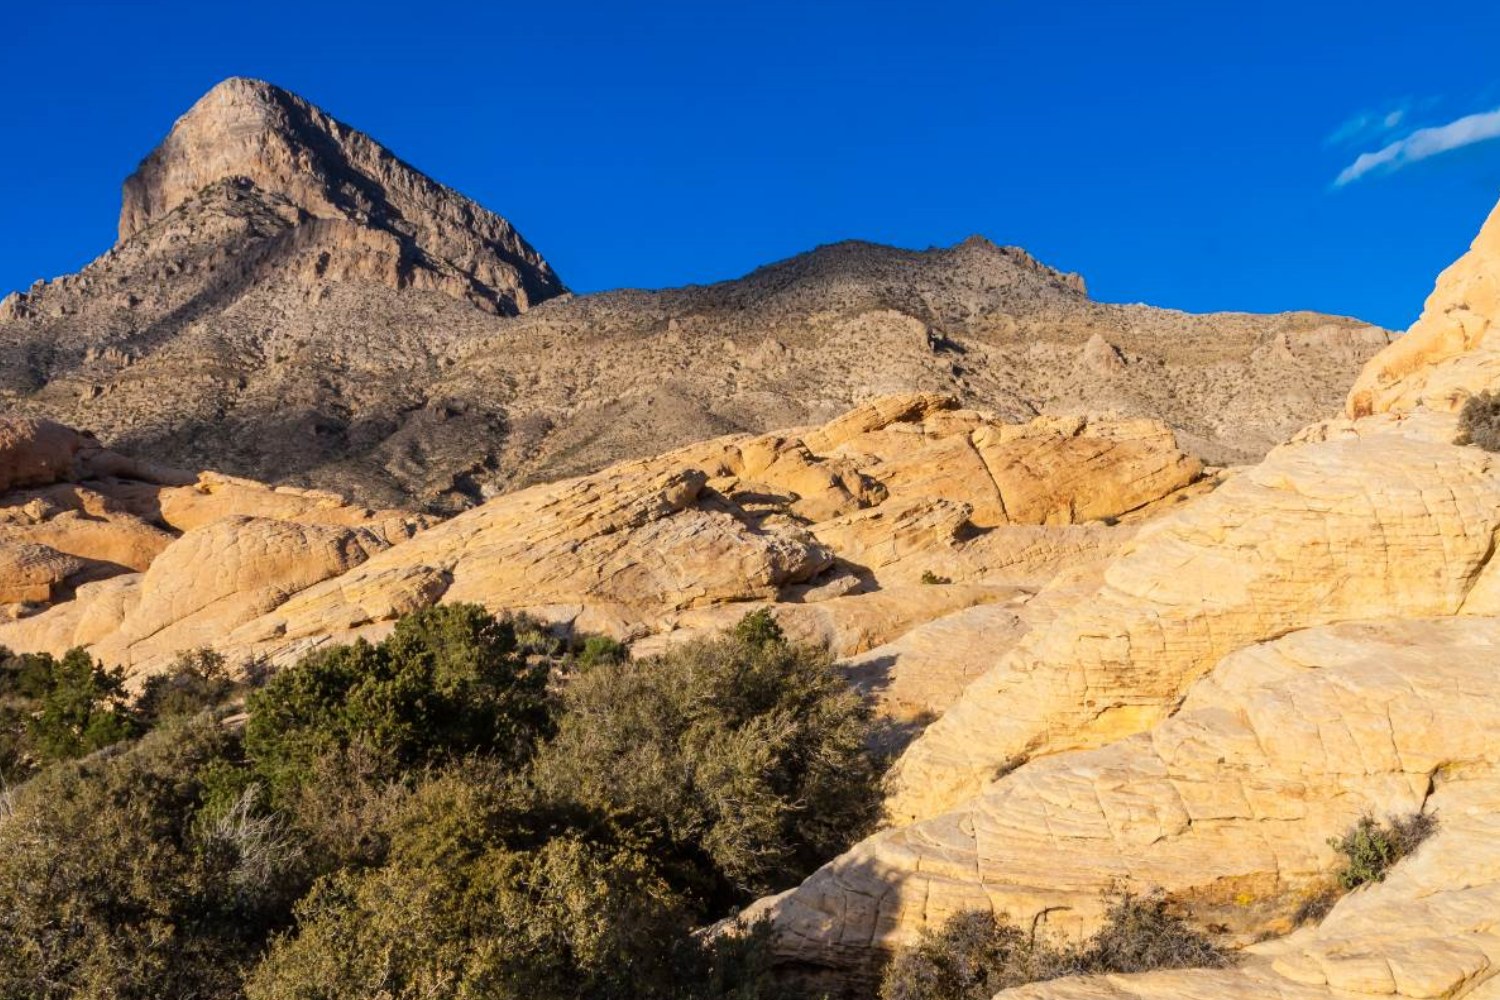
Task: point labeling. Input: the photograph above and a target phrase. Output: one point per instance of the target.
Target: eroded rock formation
(678, 545)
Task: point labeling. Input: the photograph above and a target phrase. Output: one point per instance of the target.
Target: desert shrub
(421, 817)
(52, 710)
(110, 886)
(483, 896)
(343, 804)
(1370, 849)
(975, 954)
(1142, 934)
(195, 681)
(565, 920)
(932, 579)
(758, 628)
(535, 637)
(594, 650)
(1317, 903)
(1479, 421)
(742, 758)
(447, 682)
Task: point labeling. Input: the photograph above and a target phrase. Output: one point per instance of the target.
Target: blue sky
(1262, 156)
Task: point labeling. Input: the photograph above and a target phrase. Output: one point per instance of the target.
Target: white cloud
(1368, 125)
(1424, 143)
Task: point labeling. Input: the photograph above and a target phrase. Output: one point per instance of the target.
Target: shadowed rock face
(290, 302)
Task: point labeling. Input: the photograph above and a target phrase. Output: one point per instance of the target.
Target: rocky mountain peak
(286, 148)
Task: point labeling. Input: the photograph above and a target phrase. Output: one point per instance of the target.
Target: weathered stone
(1450, 353)
(1227, 805)
(1382, 524)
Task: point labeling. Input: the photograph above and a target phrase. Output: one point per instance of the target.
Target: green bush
(1479, 421)
(745, 751)
(486, 894)
(195, 681)
(595, 650)
(447, 682)
(1371, 849)
(53, 710)
(975, 954)
(758, 628)
(932, 579)
(113, 888)
(422, 817)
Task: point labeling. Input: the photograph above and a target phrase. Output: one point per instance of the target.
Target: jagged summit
(286, 148)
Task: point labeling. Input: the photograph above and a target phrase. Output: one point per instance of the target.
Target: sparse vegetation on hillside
(442, 814)
(1371, 849)
(975, 954)
(1479, 421)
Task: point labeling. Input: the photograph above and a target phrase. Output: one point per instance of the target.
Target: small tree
(746, 750)
(81, 709)
(448, 681)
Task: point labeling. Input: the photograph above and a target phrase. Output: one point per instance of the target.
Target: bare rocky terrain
(289, 301)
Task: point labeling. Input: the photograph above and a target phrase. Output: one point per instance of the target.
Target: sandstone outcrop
(1426, 931)
(1450, 353)
(226, 572)
(679, 545)
(1397, 523)
(1227, 805)
(76, 513)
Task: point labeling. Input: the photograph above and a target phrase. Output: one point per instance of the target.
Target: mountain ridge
(314, 312)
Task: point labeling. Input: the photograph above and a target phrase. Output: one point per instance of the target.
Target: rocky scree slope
(290, 302)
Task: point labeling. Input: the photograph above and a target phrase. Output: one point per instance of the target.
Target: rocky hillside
(1102, 666)
(1251, 674)
(289, 301)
